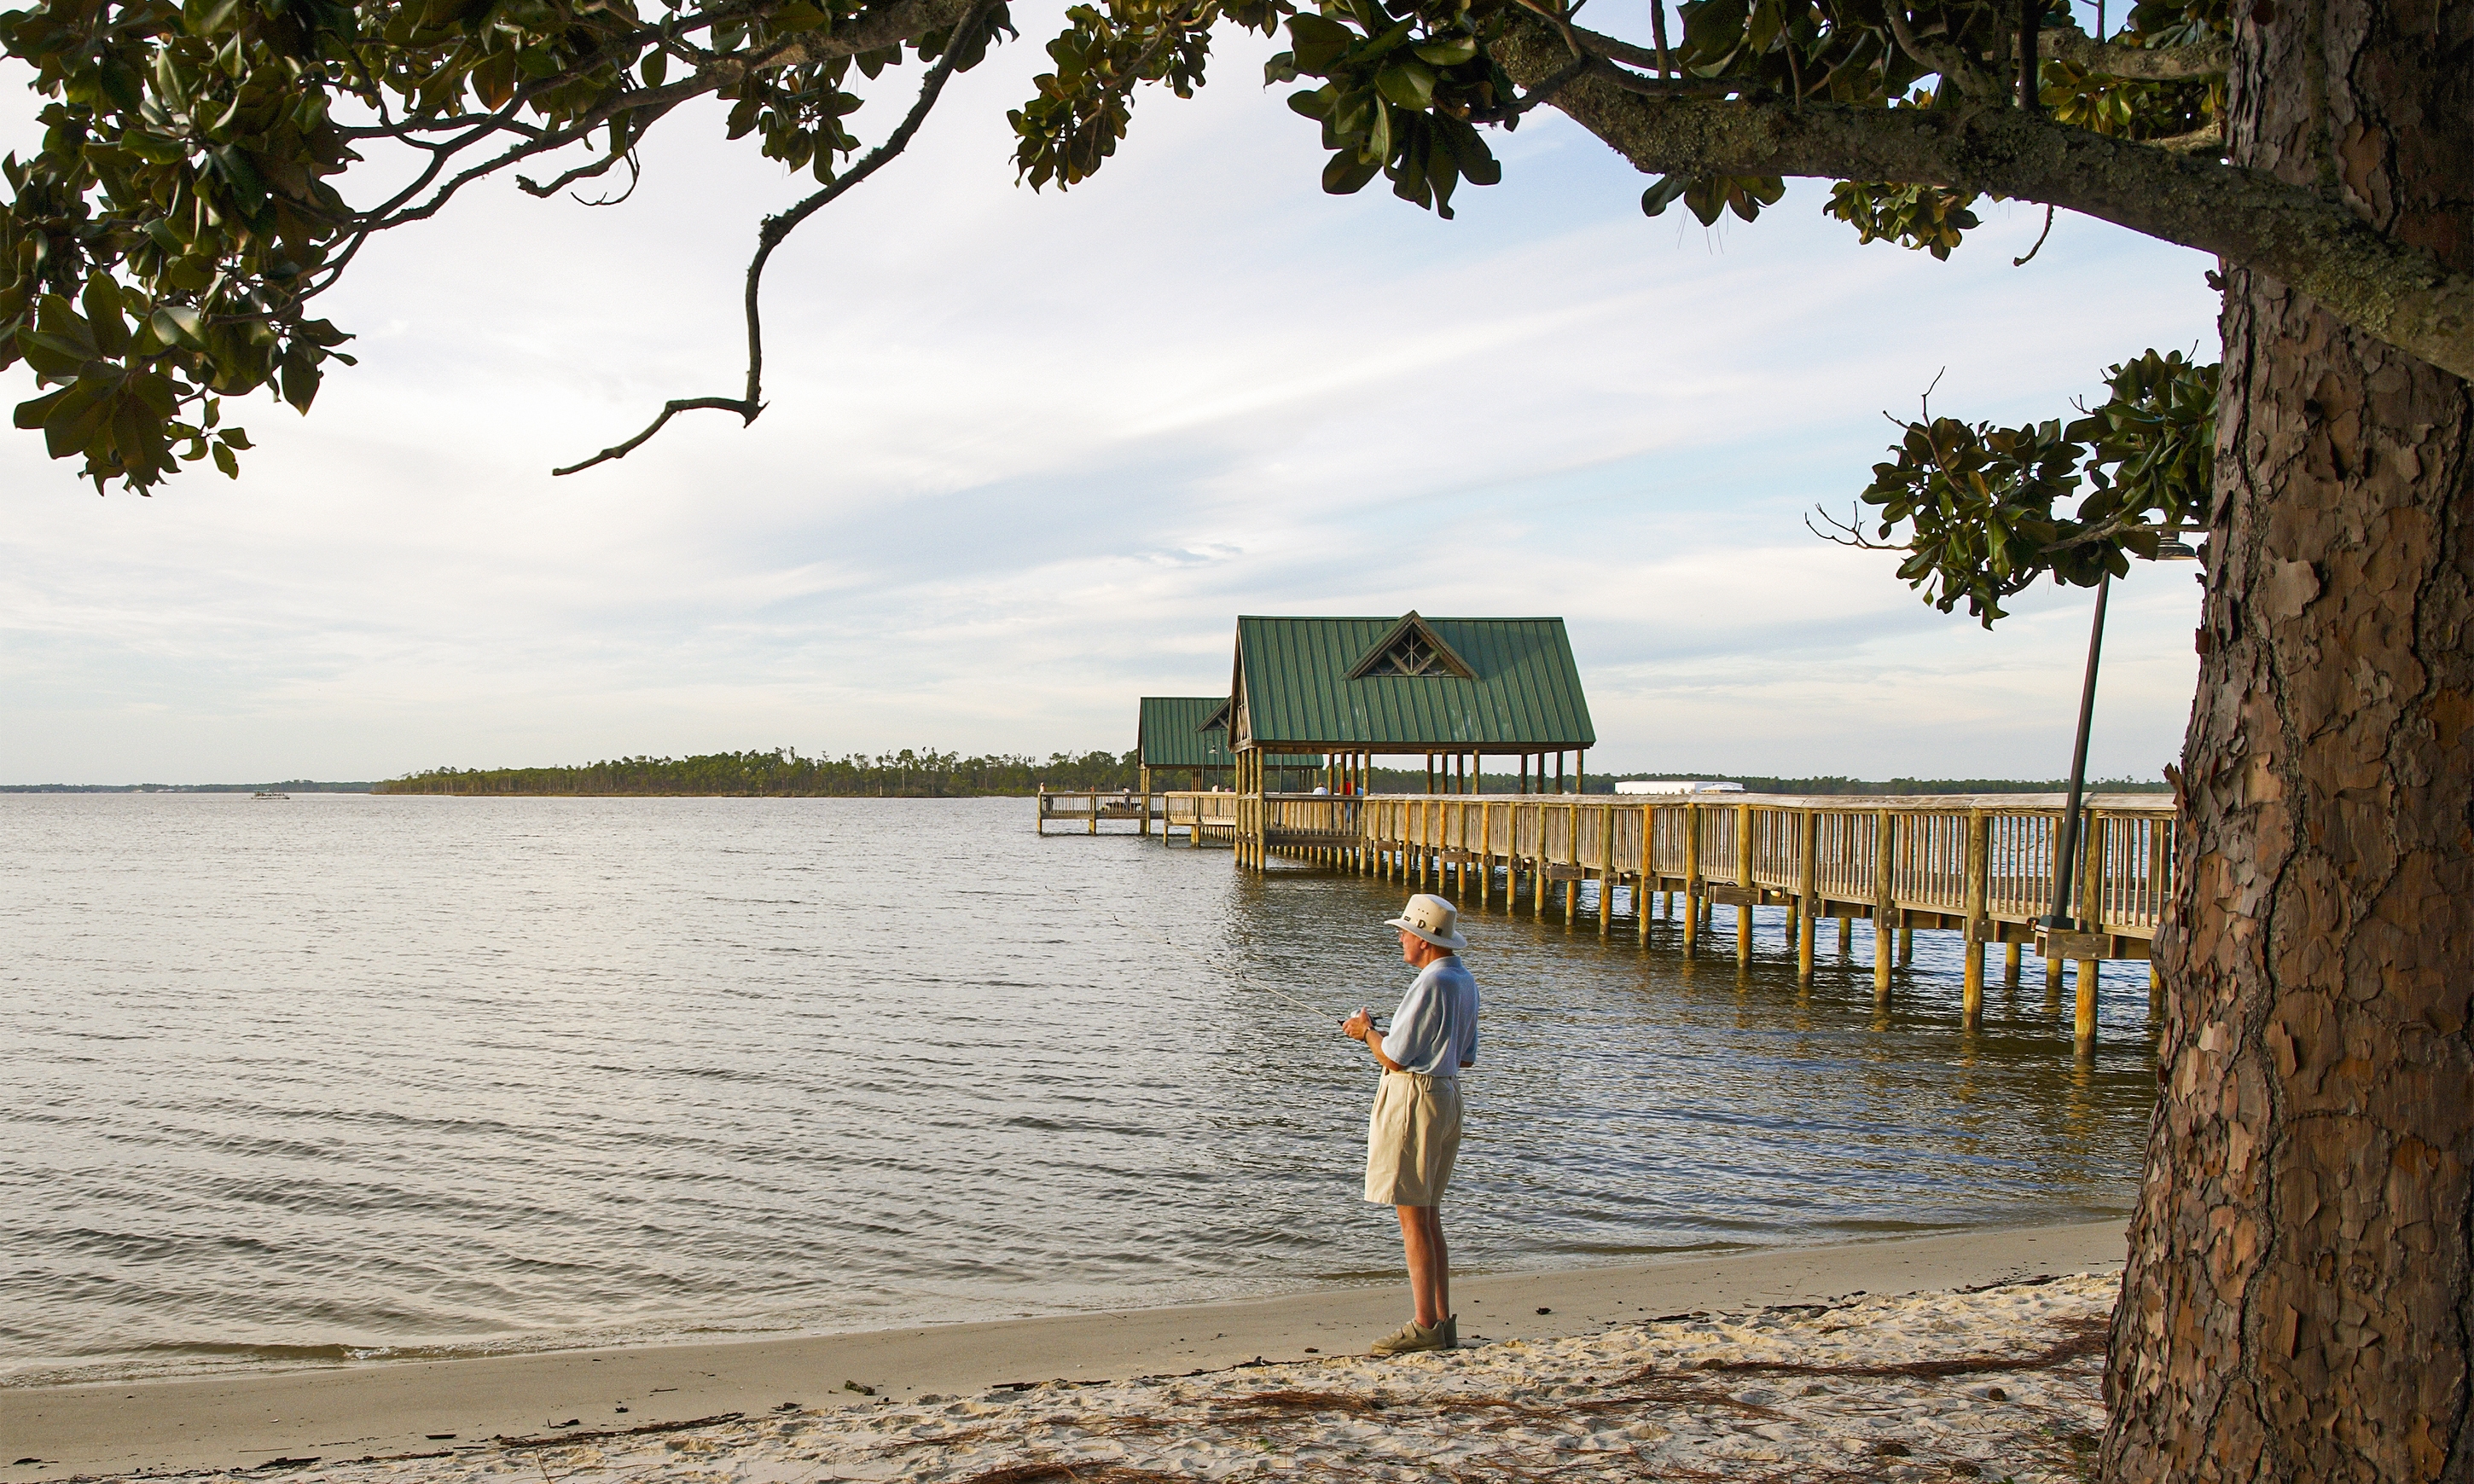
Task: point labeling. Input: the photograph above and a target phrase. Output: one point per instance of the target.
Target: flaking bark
(2303, 233)
(2300, 1293)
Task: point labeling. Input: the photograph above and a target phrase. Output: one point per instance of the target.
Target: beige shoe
(1412, 1338)
(1451, 1331)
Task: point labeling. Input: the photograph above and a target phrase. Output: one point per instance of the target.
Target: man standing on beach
(1415, 1127)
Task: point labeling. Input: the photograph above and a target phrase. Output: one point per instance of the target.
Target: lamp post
(2059, 928)
(2171, 549)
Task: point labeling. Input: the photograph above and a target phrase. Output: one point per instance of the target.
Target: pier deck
(1980, 865)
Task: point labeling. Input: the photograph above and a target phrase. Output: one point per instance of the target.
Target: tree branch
(2303, 237)
(1949, 62)
(770, 235)
(2135, 63)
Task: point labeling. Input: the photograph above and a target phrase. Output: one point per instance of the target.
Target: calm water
(348, 1076)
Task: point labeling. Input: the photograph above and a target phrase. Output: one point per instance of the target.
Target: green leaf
(1450, 52)
(1344, 173)
(1664, 192)
(299, 376)
(71, 423)
(1407, 82)
(225, 462)
(178, 324)
(1318, 42)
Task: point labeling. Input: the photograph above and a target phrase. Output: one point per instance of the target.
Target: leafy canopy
(210, 168)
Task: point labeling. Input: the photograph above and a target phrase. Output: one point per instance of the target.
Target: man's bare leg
(1430, 1283)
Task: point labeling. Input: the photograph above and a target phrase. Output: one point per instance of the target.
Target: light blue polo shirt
(1435, 1029)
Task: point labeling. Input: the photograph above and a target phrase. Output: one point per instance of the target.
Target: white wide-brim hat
(1432, 918)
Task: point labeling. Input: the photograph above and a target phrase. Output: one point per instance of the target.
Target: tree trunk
(2299, 1303)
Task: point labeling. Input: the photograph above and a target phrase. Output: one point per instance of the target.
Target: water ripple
(350, 1078)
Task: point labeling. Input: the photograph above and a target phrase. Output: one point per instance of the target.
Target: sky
(1028, 455)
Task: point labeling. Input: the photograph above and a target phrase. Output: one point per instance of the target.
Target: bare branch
(1849, 532)
(669, 409)
(1657, 87)
(2022, 262)
(1947, 62)
(2301, 236)
(1614, 49)
(593, 171)
(770, 235)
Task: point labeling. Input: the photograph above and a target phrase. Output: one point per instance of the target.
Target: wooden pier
(1089, 807)
(1982, 866)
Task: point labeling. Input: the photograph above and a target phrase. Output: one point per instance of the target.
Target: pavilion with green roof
(1455, 691)
(1182, 741)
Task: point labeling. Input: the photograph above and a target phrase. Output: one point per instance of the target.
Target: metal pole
(2063, 872)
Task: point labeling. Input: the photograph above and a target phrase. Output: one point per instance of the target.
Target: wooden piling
(1643, 882)
(1744, 879)
(1808, 887)
(1691, 877)
(1884, 831)
(1572, 847)
(1605, 873)
(1975, 886)
(2091, 902)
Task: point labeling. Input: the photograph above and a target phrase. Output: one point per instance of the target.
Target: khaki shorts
(1411, 1138)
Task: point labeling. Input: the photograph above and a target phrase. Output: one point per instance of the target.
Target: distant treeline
(929, 774)
(785, 775)
(1412, 780)
(288, 786)
(1832, 783)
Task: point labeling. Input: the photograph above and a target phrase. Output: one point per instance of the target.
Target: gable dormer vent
(1412, 649)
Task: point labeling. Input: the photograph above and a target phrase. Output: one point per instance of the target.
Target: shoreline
(381, 1408)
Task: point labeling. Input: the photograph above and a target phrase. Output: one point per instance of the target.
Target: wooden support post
(1485, 853)
(1147, 807)
(1976, 883)
(1744, 879)
(1807, 901)
(2011, 956)
(1691, 877)
(2091, 912)
(1885, 836)
(1572, 847)
(1643, 884)
(1606, 870)
(2155, 991)
(1906, 937)
(1846, 933)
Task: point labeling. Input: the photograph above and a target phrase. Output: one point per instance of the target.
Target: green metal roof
(1523, 693)
(1170, 735)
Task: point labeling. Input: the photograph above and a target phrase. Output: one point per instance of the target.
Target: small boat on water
(270, 793)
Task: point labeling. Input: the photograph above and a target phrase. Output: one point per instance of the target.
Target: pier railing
(1089, 807)
(1983, 865)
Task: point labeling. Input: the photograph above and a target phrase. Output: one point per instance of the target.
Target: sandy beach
(1802, 1363)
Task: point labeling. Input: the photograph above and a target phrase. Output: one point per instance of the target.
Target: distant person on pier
(1415, 1127)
